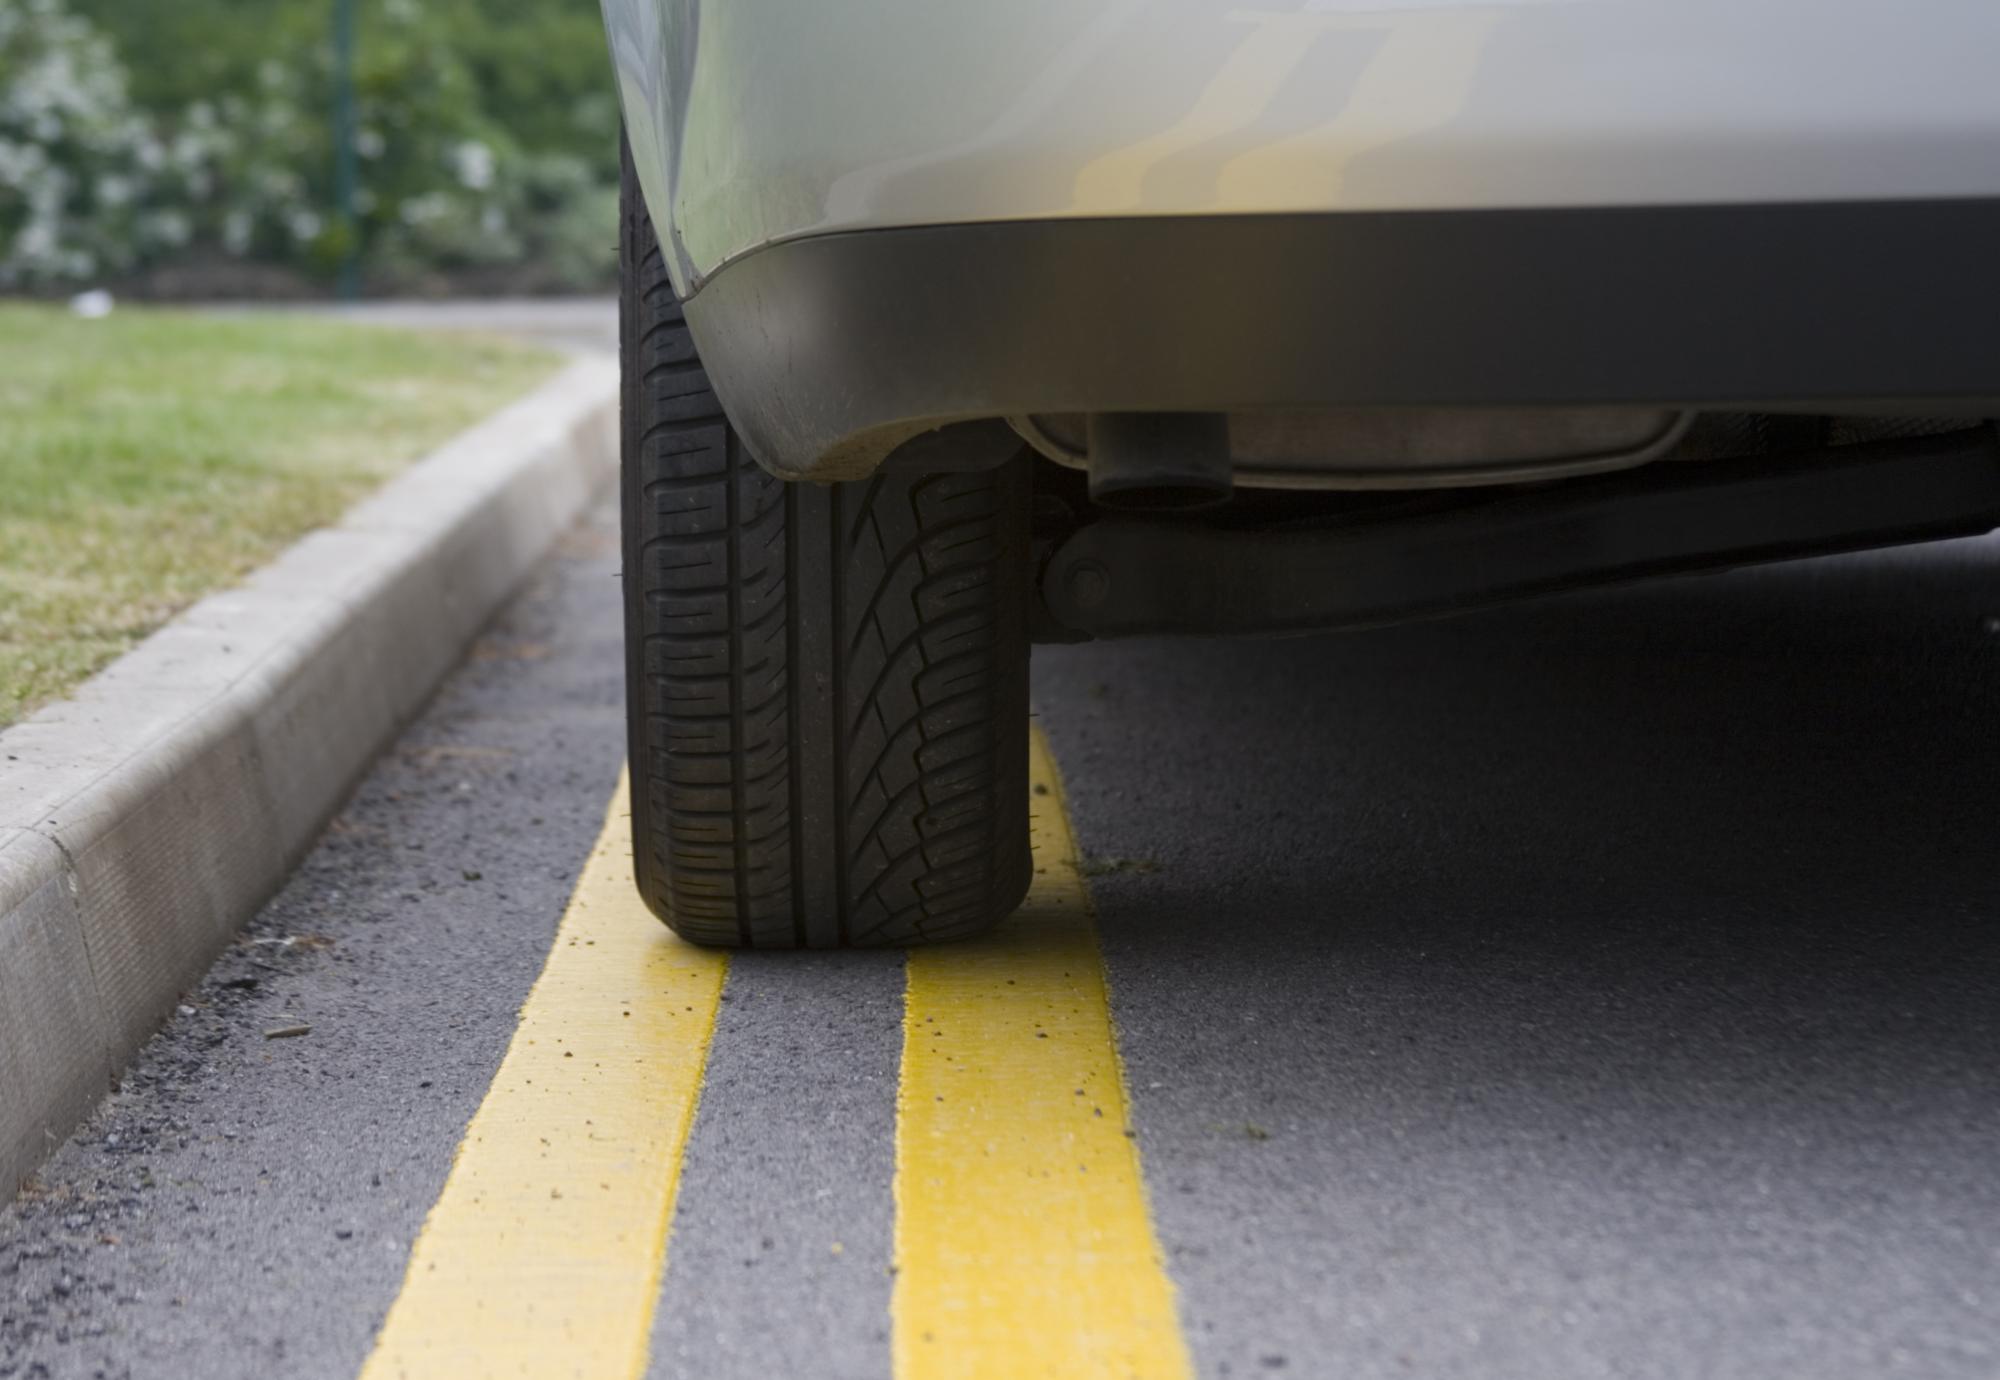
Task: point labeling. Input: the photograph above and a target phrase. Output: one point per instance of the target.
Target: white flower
(474, 164)
(37, 240)
(421, 210)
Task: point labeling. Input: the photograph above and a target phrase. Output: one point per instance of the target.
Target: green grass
(152, 457)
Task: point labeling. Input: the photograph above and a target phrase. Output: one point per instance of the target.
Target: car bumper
(831, 350)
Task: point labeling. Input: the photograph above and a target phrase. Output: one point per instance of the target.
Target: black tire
(826, 685)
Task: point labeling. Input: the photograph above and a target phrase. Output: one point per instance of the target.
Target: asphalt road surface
(1609, 987)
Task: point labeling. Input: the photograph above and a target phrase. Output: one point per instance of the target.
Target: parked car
(951, 328)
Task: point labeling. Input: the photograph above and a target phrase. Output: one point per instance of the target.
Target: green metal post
(345, 166)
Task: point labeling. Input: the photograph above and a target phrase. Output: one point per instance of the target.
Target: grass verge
(152, 457)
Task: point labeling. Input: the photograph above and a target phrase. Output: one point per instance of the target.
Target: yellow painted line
(1023, 1244)
(543, 1254)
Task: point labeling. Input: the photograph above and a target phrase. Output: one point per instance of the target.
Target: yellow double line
(542, 1256)
(1023, 1245)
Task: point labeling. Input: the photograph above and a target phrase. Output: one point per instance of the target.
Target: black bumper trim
(828, 351)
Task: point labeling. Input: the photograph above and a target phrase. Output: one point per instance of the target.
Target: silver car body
(760, 120)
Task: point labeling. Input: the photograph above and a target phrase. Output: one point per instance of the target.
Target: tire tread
(923, 661)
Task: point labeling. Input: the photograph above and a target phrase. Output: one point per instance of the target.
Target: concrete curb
(143, 821)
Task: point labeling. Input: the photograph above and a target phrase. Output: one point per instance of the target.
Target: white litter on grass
(93, 305)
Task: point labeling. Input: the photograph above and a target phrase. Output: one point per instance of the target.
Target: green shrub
(82, 175)
(486, 139)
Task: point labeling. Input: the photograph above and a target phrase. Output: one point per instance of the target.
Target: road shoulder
(145, 819)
